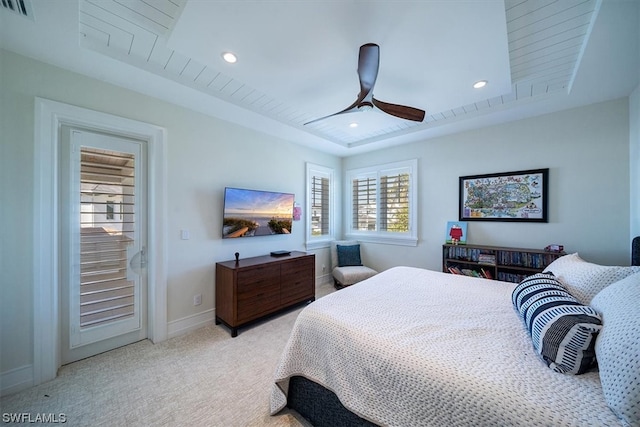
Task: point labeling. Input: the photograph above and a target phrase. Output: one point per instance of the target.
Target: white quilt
(413, 347)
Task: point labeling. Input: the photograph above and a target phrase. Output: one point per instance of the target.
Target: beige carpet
(204, 378)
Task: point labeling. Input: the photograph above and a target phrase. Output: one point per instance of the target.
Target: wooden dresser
(253, 288)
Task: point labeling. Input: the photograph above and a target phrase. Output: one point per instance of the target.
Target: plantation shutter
(106, 231)
(364, 203)
(383, 203)
(394, 202)
(319, 206)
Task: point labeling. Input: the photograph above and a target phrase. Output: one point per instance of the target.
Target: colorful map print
(513, 196)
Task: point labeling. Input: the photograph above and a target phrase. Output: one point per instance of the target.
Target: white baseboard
(193, 322)
(190, 323)
(325, 278)
(16, 380)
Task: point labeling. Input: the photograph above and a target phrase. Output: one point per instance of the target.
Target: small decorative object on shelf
(496, 262)
(554, 248)
(456, 233)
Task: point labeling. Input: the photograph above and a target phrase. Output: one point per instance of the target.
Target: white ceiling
(298, 59)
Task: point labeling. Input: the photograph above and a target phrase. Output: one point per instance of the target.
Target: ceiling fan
(368, 64)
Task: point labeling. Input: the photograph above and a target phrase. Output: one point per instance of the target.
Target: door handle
(138, 262)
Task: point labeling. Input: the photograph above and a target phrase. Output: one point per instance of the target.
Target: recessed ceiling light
(353, 125)
(229, 57)
(479, 84)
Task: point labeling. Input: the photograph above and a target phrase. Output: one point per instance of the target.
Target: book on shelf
(527, 259)
(455, 270)
(511, 277)
(483, 273)
(467, 272)
(489, 259)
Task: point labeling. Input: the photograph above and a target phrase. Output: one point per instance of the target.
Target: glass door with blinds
(103, 243)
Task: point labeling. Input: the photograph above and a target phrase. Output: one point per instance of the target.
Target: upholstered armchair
(347, 264)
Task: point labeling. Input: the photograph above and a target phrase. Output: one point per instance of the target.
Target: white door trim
(49, 116)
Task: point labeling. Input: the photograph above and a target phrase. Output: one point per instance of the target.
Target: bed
(414, 347)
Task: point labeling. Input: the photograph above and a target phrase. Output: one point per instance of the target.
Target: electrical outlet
(197, 299)
(324, 268)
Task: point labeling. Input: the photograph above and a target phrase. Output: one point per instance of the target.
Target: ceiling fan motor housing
(365, 106)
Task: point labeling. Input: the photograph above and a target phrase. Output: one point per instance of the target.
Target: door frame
(49, 117)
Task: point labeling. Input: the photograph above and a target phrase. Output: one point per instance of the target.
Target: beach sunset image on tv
(250, 213)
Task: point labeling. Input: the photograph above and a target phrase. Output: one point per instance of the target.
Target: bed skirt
(321, 407)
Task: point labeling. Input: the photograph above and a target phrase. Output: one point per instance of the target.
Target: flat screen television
(249, 213)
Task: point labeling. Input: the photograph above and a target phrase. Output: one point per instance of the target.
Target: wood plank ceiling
(546, 39)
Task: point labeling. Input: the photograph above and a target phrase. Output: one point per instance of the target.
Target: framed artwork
(456, 233)
(509, 196)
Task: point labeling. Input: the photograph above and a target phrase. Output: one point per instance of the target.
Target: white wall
(586, 149)
(587, 152)
(204, 156)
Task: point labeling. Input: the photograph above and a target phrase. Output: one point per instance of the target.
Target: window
(320, 209)
(110, 210)
(383, 203)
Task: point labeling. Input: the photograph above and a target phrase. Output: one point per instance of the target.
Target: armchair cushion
(349, 275)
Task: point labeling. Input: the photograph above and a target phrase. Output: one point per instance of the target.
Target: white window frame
(324, 241)
(409, 238)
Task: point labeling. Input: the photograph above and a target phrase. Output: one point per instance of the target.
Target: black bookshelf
(495, 262)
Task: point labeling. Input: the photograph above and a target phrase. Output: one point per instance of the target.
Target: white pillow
(584, 279)
(618, 347)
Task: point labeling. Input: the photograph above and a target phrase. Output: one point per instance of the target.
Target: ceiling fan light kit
(368, 65)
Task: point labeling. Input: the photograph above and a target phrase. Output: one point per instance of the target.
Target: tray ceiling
(298, 60)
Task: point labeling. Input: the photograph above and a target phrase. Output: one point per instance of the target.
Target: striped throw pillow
(563, 331)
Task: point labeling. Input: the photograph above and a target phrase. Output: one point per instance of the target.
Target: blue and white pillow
(562, 329)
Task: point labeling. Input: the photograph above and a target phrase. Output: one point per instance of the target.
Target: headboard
(635, 251)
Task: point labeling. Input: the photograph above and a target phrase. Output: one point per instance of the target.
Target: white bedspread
(413, 347)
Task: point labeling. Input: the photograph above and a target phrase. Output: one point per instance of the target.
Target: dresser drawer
(251, 280)
(297, 281)
(259, 301)
(297, 266)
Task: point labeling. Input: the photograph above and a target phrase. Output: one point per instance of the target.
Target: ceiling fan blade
(364, 64)
(402, 111)
(368, 65)
(353, 108)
